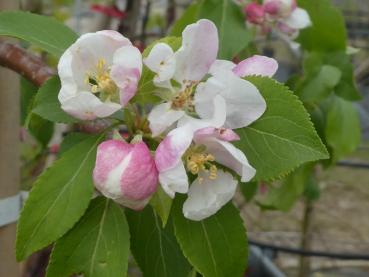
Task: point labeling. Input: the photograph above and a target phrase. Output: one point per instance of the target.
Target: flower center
(184, 99)
(101, 82)
(201, 161)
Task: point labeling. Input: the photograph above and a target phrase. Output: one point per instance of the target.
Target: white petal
(174, 180)
(228, 155)
(207, 197)
(86, 106)
(299, 19)
(217, 119)
(256, 65)
(161, 61)
(162, 117)
(244, 102)
(198, 51)
(204, 96)
(69, 85)
(128, 57)
(221, 66)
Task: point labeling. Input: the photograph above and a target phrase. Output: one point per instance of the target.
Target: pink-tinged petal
(256, 65)
(279, 8)
(254, 13)
(162, 117)
(230, 156)
(86, 106)
(172, 148)
(115, 37)
(208, 196)
(198, 51)
(174, 180)
(125, 173)
(161, 61)
(128, 57)
(219, 133)
(299, 19)
(127, 81)
(69, 85)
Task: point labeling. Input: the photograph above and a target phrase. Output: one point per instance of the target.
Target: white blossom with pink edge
(182, 151)
(99, 74)
(125, 173)
(186, 67)
(240, 95)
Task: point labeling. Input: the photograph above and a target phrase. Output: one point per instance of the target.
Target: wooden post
(9, 156)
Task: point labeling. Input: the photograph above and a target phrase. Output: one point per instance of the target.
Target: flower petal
(172, 148)
(161, 61)
(217, 110)
(256, 65)
(128, 57)
(198, 51)
(162, 117)
(221, 66)
(219, 133)
(228, 155)
(205, 198)
(299, 19)
(174, 180)
(86, 106)
(127, 81)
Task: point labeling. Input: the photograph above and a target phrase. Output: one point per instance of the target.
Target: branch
(26, 64)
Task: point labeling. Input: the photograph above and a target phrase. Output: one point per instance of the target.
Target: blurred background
(331, 234)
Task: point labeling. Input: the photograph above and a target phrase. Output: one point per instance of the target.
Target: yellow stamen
(197, 162)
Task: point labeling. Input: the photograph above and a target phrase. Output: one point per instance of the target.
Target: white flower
(99, 74)
(212, 188)
(240, 95)
(186, 67)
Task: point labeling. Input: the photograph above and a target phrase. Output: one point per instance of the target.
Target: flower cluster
(282, 16)
(203, 101)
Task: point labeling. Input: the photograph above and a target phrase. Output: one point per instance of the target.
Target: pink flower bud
(125, 173)
(279, 8)
(254, 13)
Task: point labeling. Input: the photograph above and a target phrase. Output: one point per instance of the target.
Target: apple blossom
(240, 95)
(125, 173)
(186, 67)
(199, 153)
(99, 74)
(282, 15)
(193, 101)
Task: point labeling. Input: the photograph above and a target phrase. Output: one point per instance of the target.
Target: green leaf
(146, 88)
(155, 248)
(42, 31)
(284, 137)
(342, 130)
(162, 204)
(41, 129)
(58, 199)
(284, 196)
(320, 36)
(321, 85)
(47, 105)
(249, 190)
(71, 140)
(190, 15)
(227, 16)
(216, 246)
(97, 246)
(27, 94)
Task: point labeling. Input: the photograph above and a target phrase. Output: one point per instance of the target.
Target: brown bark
(26, 64)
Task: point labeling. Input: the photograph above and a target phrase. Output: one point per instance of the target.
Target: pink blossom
(125, 173)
